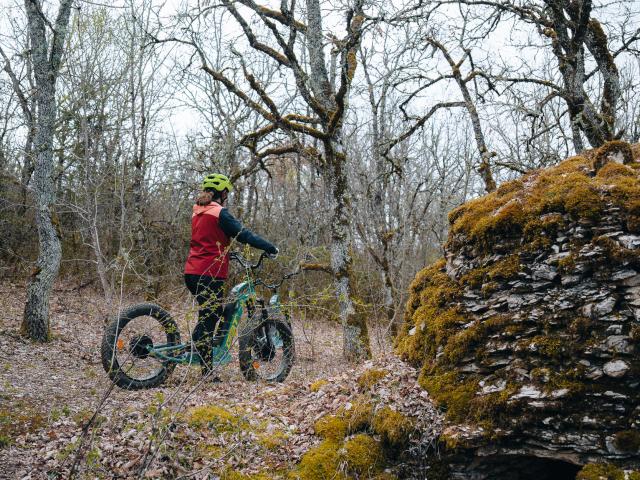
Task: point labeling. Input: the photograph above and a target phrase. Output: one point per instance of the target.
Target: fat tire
(245, 345)
(110, 337)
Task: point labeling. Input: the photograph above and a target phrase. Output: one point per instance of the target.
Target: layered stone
(527, 331)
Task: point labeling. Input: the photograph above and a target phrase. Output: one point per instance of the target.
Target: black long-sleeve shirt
(232, 228)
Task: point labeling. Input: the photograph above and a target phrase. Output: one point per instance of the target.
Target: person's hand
(273, 254)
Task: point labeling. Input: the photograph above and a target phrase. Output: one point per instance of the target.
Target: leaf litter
(49, 393)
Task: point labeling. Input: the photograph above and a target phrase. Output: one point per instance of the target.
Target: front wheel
(128, 343)
(266, 350)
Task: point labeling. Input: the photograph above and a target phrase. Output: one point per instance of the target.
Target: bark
(356, 336)
(572, 31)
(46, 65)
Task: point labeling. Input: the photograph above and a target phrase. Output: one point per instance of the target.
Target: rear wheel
(266, 349)
(128, 340)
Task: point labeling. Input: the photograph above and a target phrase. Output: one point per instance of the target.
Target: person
(213, 229)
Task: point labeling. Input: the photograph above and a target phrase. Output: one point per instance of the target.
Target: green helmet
(217, 181)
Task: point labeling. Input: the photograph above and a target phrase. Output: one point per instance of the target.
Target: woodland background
(349, 129)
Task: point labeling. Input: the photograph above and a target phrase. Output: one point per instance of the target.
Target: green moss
(600, 471)
(320, 463)
(358, 417)
(393, 427)
(504, 269)
(616, 254)
(615, 171)
(214, 417)
(272, 440)
(230, 474)
(427, 323)
(627, 441)
(567, 264)
(569, 379)
(331, 427)
(538, 233)
(363, 455)
(491, 409)
(451, 392)
(548, 346)
(370, 377)
(317, 385)
(462, 343)
(616, 148)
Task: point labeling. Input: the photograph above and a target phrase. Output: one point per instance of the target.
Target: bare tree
(463, 84)
(46, 58)
(326, 102)
(575, 38)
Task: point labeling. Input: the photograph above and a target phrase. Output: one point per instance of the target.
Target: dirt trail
(48, 392)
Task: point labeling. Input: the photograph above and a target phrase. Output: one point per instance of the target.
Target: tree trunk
(355, 345)
(46, 66)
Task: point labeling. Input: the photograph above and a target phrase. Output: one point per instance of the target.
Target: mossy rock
(363, 455)
(571, 188)
(533, 298)
(393, 427)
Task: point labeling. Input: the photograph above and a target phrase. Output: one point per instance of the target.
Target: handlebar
(237, 256)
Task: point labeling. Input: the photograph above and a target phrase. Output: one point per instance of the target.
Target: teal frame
(184, 353)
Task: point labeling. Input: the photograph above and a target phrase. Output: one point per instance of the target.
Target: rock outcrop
(527, 332)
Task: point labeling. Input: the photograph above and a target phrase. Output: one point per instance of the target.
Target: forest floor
(185, 429)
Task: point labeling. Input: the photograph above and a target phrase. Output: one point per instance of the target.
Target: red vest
(209, 245)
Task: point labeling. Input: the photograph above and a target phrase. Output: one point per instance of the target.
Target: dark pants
(208, 293)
